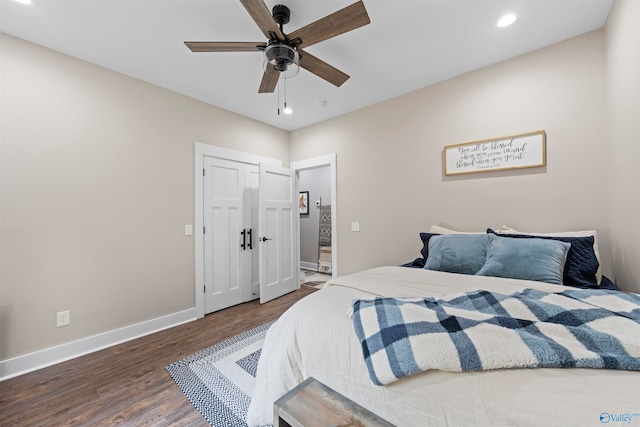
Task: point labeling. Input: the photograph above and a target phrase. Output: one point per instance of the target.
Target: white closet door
(224, 194)
(278, 219)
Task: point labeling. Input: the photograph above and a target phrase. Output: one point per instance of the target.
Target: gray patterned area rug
(220, 379)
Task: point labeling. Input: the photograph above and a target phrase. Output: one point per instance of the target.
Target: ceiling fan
(285, 50)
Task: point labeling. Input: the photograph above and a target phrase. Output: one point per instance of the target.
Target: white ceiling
(408, 45)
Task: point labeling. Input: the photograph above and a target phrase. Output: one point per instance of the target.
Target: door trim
(201, 151)
(326, 160)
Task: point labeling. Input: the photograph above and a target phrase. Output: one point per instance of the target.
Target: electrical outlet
(63, 318)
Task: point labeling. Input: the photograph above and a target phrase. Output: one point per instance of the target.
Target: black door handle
(244, 237)
(264, 239)
(250, 244)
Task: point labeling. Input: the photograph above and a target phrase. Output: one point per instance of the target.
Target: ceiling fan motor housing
(281, 14)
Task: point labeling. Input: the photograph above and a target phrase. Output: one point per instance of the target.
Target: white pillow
(586, 233)
(436, 229)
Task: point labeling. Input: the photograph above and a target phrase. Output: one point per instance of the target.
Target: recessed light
(506, 20)
(24, 1)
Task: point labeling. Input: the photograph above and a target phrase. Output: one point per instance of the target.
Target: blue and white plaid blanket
(484, 330)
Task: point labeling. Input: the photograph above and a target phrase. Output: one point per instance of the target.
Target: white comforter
(316, 338)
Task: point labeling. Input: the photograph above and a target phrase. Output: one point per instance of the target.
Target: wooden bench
(313, 404)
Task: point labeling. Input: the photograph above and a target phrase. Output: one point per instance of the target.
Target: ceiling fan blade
(262, 16)
(347, 19)
(269, 80)
(322, 69)
(225, 46)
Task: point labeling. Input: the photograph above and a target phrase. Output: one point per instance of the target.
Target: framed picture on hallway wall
(303, 203)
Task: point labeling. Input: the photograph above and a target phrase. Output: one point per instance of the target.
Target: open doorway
(315, 225)
(316, 180)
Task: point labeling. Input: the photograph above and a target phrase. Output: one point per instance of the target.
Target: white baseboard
(309, 265)
(50, 356)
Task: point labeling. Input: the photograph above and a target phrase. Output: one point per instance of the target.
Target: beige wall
(96, 187)
(622, 42)
(389, 155)
(97, 174)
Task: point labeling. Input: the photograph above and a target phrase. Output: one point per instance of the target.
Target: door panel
(223, 219)
(230, 256)
(225, 181)
(278, 225)
(278, 187)
(252, 252)
(269, 249)
(288, 264)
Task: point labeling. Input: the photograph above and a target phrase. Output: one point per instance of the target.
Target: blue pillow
(582, 263)
(541, 260)
(457, 253)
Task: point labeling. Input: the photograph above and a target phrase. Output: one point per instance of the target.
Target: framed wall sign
(526, 150)
(304, 203)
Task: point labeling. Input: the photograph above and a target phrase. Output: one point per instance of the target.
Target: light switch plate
(355, 226)
(188, 230)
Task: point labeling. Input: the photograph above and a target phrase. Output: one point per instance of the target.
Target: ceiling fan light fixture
(282, 58)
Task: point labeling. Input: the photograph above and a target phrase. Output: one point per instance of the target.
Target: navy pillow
(581, 265)
(425, 244)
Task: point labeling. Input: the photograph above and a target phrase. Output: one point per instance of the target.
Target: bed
(316, 338)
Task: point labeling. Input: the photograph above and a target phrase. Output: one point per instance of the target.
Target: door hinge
(204, 230)
(204, 289)
(202, 172)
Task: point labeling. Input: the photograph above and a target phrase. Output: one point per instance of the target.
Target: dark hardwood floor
(127, 385)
